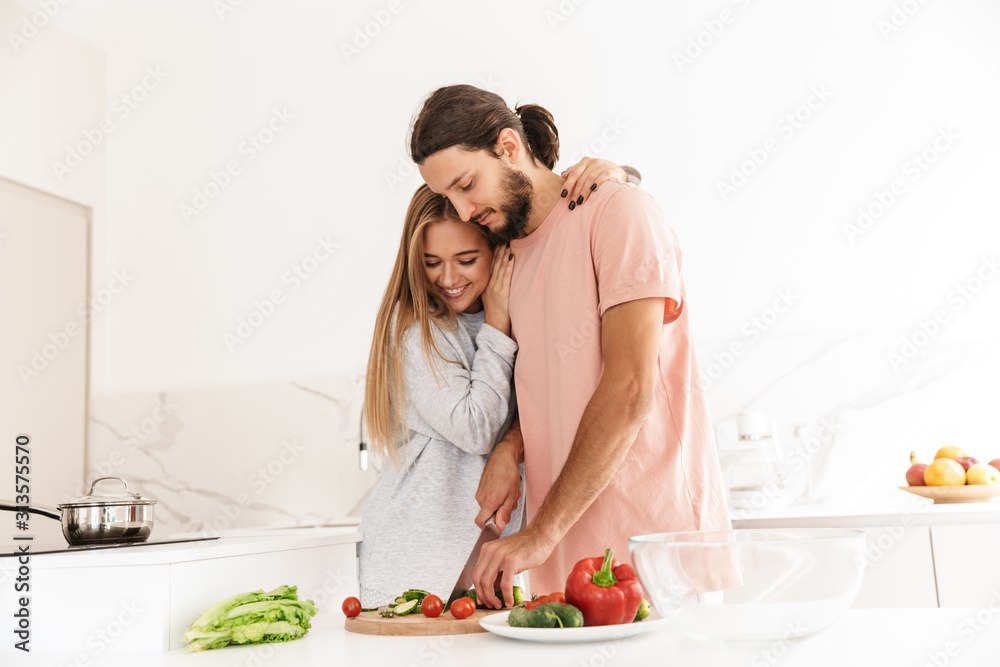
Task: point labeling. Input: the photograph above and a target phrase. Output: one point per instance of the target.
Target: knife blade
(464, 583)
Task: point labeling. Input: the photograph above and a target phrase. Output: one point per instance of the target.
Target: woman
(438, 394)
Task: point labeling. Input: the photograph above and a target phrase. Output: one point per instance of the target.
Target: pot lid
(92, 499)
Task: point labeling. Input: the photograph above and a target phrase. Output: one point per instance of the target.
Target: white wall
(686, 127)
(53, 87)
(598, 66)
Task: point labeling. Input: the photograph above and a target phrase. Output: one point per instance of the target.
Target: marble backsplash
(276, 454)
(286, 453)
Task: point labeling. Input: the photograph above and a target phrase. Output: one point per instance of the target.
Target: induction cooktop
(63, 548)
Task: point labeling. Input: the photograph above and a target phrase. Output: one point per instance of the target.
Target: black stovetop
(63, 548)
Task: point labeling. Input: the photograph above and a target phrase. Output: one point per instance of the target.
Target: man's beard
(515, 207)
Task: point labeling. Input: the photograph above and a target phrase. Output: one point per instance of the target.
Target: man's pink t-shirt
(576, 265)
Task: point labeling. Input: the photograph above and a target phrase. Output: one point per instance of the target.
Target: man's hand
(500, 485)
(508, 556)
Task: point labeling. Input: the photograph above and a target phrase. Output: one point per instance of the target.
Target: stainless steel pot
(99, 518)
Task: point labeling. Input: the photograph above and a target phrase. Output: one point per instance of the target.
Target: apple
(915, 475)
(983, 473)
(995, 463)
(967, 461)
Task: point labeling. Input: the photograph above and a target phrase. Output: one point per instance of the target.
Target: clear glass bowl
(751, 588)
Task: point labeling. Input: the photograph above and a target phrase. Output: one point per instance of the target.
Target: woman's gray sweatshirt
(418, 525)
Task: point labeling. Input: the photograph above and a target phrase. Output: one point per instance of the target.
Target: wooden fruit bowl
(969, 493)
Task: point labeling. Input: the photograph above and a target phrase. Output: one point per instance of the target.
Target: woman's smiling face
(457, 261)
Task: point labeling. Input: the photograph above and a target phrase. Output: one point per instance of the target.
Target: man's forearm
(607, 430)
(512, 443)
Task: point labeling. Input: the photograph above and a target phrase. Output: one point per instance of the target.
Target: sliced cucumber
(400, 600)
(415, 594)
(406, 607)
(369, 609)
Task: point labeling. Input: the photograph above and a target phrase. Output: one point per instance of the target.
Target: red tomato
(431, 606)
(543, 599)
(557, 597)
(462, 608)
(531, 605)
(351, 607)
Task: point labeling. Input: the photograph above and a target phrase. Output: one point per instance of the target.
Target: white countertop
(918, 511)
(861, 637)
(253, 542)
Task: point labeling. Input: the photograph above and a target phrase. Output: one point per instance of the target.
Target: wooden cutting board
(412, 625)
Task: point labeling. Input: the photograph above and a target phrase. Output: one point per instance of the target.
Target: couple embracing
(533, 337)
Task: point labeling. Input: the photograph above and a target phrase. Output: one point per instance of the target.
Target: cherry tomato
(531, 605)
(351, 607)
(462, 608)
(557, 597)
(431, 606)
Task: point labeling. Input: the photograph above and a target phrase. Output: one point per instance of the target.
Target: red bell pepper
(606, 591)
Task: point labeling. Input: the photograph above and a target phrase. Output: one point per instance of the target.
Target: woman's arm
(464, 406)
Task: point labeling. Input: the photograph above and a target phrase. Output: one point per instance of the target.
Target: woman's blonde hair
(412, 299)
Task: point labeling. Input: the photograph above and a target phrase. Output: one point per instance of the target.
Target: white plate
(497, 624)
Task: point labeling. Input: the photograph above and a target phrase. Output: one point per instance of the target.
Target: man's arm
(630, 343)
(500, 484)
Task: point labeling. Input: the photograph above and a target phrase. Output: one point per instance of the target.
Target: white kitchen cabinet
(966, 558)
(900, 568)
(141, 599)
(900, 562)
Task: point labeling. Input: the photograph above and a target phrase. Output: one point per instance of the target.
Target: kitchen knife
(490, 533)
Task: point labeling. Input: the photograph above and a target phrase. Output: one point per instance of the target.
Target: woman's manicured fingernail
(565, 192)
(572, 205)
(594, 186)
(579, 200)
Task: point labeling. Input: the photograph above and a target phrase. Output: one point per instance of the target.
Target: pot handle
(101, 479)
(50, 512)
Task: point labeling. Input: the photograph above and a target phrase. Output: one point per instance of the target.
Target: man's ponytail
(541, 133)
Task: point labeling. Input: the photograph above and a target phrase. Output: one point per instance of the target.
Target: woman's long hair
(412, 300)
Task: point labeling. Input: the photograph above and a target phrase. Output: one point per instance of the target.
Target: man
(616, 436)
